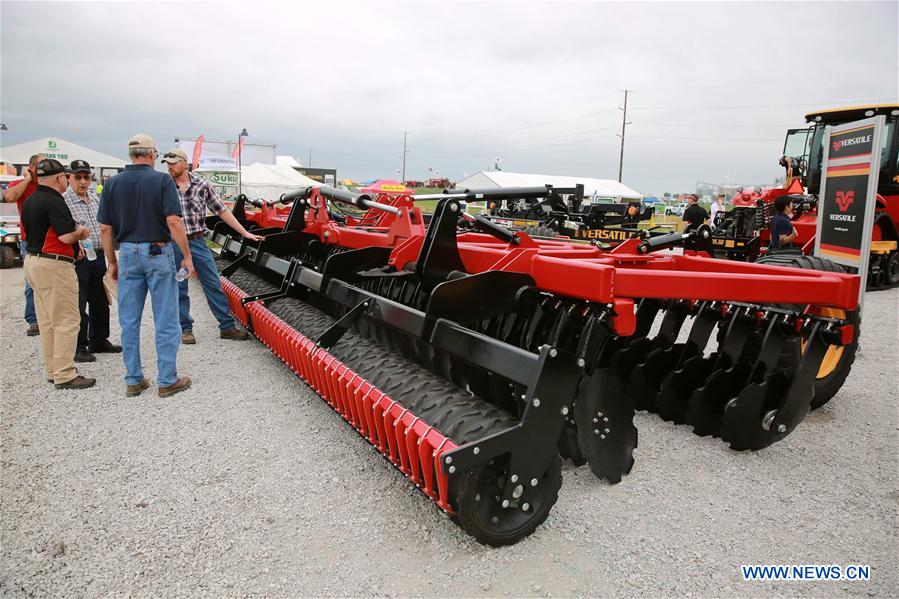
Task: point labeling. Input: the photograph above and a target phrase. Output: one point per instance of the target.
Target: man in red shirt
(50, 270)
(18, 192)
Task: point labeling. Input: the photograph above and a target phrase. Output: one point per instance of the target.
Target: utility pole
(404, 156)
(623, 128)
(310, 158)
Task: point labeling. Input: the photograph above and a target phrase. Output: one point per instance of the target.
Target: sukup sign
(848, 188)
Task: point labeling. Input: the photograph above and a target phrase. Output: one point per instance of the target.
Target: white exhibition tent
(62, 150)
(269, 181)
(601, 189)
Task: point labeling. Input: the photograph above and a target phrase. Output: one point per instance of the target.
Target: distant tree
(667, 194)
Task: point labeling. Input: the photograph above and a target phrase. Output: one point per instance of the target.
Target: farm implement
(550, 212)
(476, 358)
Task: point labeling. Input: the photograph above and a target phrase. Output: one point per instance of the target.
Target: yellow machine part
(883, 247)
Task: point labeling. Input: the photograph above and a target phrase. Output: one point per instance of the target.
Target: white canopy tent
(62, 150)
(600, 189)
(269, 181)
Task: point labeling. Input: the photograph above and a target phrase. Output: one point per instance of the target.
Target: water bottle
(88, 246)
(182, 274)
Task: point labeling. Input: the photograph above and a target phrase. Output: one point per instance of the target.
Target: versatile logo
(845, 199)
(606, 234)
(837, 145)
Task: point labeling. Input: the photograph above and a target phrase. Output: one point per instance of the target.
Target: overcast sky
(539, 84)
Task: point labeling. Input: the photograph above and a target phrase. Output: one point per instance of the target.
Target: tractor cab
(807, 145)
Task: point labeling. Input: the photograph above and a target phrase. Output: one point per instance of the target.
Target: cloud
(715, 84)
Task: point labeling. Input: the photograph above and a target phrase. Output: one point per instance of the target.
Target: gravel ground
(248, 484)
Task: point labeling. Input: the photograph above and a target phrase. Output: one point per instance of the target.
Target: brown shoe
(234, 334)
(135, 390)
(180, 385)
(187, 338)
(33, 330)
(79, 382)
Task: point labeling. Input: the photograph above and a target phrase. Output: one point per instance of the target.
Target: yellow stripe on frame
(850, 173)
(840, 255)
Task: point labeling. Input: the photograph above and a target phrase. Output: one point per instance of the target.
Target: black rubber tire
(827, 386)
(7, 256)
(891, 270)
(473, 508)
(541, 231)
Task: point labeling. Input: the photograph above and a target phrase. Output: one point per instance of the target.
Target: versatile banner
(848, 189)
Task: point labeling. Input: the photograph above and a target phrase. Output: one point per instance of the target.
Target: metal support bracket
(273, 295)
(531, 444)
(799, 397)
(241, 260)
(334, 333)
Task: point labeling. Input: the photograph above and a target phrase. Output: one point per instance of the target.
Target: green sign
(223, 178)
(225, 183)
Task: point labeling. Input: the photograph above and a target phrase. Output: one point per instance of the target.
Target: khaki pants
(55, 286)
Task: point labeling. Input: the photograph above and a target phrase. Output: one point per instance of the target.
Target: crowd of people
(146, 232)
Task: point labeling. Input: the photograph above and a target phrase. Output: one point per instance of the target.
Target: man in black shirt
(50, 270)
(782, 230)
(695, 215)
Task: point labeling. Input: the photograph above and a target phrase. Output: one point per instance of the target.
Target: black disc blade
(673, 399)
(605, 425)
(647, 377)
(743, 425)
(706, 404)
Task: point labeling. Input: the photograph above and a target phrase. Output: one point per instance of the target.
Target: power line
(503, 146)
(535, 126)
(728, 125)
(819, 103)
(706, 138)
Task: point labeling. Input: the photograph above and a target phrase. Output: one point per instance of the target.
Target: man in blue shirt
(140, 210)
(782, 230)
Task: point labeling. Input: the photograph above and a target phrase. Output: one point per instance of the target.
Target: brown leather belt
(54, 257)
(197, 235)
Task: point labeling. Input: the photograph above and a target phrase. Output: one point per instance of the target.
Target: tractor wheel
(7, 257)
(838, 361)
(891, 270)
(481, 514)
(541, 231)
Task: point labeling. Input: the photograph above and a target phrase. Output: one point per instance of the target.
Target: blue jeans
(30, 314)
(204, 264)
(139, 272)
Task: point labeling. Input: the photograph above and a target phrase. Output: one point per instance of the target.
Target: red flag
(237, 149)
(198, 151)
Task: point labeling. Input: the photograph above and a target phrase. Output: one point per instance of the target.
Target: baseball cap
(48, 167)
(141, 141)
(79, 166)
(174, 155)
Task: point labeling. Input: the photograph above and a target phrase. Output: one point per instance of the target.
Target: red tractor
(743, 233)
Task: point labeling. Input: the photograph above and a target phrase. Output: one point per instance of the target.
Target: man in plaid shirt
(196, 196)
(93, 336)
